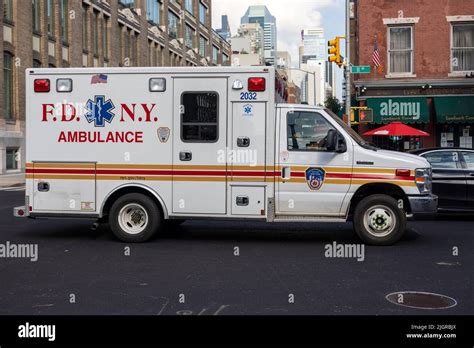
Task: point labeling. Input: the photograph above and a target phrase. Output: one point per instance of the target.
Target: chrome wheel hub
(133, 218)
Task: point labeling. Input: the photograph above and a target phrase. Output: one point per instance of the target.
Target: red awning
(398, 129)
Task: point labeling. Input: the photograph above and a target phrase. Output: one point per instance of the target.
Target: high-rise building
(262, 16)
(247, 45)
(115, 33)
(330, 79)
(313, 60)
(224, 31)
(314, 44)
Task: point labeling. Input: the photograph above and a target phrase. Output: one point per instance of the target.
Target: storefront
(414, 111)
(454, 121)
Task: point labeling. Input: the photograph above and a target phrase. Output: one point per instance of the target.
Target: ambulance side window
(199, 117)
(307, 131)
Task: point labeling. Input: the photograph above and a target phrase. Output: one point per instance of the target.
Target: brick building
(85, 33)
(425, 78)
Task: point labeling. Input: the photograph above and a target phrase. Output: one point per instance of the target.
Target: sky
(291, 16)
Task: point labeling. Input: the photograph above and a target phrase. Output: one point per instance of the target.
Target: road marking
(12, 189)
(220, 309)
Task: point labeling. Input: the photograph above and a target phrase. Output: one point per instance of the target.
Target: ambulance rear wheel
(378, 220)
(134, 218)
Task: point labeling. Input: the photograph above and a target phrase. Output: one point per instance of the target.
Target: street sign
(363, 69)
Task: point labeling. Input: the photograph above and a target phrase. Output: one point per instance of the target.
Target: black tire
(145, 218)
(375, 231)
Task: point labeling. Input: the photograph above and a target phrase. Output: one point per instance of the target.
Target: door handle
(286, 173)
(243, 142)
(242, 201)
(43, 186)
(185, 156)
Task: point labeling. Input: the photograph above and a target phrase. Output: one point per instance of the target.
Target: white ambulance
(147, 148)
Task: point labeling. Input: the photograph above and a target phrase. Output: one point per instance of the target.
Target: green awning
(406, 110)
(457, 109)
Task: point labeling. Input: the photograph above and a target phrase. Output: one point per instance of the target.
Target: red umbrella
(398, 129)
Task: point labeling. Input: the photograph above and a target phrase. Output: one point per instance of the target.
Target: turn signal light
(42, 86)
(402, 172)
(257, 84)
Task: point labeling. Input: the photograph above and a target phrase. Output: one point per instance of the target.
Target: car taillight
(42, 86)
(256, 84)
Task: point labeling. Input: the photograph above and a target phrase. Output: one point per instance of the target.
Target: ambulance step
(306, 218)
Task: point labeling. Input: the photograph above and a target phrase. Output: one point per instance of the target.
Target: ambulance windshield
(352, 133)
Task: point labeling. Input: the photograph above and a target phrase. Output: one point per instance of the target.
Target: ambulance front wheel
(134, 218)
(378, 220)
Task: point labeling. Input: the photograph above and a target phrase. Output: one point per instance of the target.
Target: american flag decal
(101, 78)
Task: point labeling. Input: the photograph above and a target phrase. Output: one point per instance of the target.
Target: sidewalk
(16, 179)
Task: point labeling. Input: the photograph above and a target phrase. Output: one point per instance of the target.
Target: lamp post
(314, 77)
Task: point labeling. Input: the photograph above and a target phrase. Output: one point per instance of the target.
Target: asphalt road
(198, 261)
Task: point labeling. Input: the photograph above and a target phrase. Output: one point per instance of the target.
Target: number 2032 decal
(248, 96)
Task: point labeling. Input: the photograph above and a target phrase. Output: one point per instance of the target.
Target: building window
(463, 47)
(215, 54)
(225, 59)
(85, 41)
(36, 15)
(189, 36)
(202, 13)
(64, 21)
(50, 11)
(8, 85)
(127, 3)
(36, 63)
(199, 120)
(133, 48)
(8, 10)
(401, 50)
(105, 36)
(120, 45)
(95, 33)
(173, 25)
(189, 5)
(202, 46)
(12, 158)
(126, 46)
(153, 11)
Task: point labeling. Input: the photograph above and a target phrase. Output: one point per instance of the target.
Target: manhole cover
(421, 300)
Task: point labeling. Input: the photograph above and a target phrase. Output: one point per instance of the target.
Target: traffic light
(334, 51)
(366, 116)
(352, 115)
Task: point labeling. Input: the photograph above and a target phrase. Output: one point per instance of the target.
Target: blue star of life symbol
(99, 111)
(248, 109)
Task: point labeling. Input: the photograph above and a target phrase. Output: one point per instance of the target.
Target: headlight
(423, 180)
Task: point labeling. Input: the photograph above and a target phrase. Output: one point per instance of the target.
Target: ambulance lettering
(99, 111)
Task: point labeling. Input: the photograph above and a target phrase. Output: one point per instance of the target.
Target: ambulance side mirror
(331, 140)
(335, 142)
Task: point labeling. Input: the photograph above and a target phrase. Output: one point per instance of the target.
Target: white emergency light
(64, 85)
(157, 85)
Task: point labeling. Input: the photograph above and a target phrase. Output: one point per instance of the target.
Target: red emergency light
(42, 86)
(257, 84)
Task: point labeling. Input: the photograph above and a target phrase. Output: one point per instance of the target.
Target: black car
(453, 177)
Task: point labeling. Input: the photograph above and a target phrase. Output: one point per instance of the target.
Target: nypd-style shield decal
(315, 178)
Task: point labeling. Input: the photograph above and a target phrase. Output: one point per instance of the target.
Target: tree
(333, 104)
